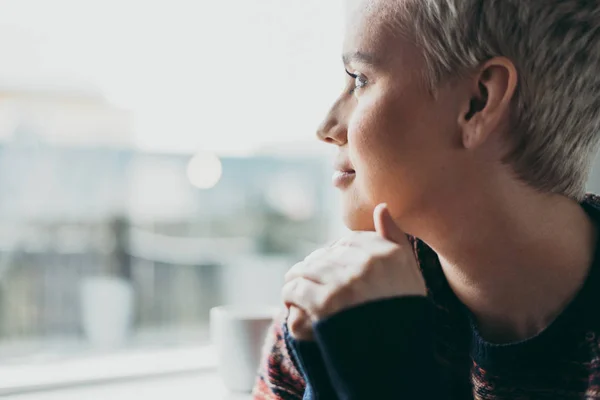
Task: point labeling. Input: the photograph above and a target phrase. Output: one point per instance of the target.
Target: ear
(493, 88)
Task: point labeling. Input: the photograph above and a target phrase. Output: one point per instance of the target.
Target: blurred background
(158, 158)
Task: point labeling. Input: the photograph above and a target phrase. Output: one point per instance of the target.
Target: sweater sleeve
(278, 376)
(312, 367)
(382, 350)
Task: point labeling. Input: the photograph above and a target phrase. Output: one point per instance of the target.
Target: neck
(515, 261)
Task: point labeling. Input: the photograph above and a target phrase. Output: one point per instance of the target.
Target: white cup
(238, 334)
(107, 310)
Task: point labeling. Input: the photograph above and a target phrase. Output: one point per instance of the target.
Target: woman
(465, 139)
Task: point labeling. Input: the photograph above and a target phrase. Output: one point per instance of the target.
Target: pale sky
(222, 75)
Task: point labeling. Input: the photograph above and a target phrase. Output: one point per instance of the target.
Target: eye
(359, 81)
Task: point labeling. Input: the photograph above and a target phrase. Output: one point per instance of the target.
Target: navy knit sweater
(428, 348)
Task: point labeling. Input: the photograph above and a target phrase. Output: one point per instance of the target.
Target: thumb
(385, 225)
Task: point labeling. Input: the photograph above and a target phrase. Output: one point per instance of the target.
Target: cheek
(368, 132)
(395, 149)
(376, 139)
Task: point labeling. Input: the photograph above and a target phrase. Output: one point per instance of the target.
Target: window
(156, 159)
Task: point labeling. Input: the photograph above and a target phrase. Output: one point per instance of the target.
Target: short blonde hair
(555, 46)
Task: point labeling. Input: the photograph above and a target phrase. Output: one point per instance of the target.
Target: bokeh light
(204, 170)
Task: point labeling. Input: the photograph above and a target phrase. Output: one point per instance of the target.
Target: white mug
(107, 310)
(238, 334)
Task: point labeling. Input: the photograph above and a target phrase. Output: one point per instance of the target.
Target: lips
(343, 179)
(344, 173)
(344, 166)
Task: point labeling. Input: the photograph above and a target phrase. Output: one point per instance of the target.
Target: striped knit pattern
(278, 378)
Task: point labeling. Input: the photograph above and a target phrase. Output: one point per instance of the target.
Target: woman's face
(397, 142)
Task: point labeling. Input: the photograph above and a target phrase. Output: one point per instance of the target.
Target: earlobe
(472, 136)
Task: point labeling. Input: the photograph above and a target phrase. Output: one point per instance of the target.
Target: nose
(334, 128)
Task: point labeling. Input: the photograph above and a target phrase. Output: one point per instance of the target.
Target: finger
(294, 272)
(304, 294)
(323, 271)
(350, 239)
(332, 243)
(317, 271)
(332, 252)
(300, 324)
(368, 243)
(360, 239)
(332, 265)
(317, 253)
(386, 227)
(313, 264)
(343, 257)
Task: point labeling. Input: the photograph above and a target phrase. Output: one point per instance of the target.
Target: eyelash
(356, 78)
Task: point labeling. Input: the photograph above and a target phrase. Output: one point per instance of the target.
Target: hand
(360, 268)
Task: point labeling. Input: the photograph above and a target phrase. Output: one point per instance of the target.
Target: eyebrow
(359, 56)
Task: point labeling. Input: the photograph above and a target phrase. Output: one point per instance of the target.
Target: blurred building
(195, 230)
(61, 113)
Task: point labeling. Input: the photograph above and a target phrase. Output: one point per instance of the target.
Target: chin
(357, 216)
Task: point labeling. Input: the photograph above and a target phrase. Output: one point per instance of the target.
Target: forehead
(373, 27)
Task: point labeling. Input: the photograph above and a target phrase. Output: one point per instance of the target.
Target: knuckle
(339, 251)
(292, 289)
(292, 271)
(386, 252)
(392, 249)
(348, 239)
(368, 265)
(335, 299)
(353, 277)
(330, 297)
(301, 291)
(315, 254)
(361, 258)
